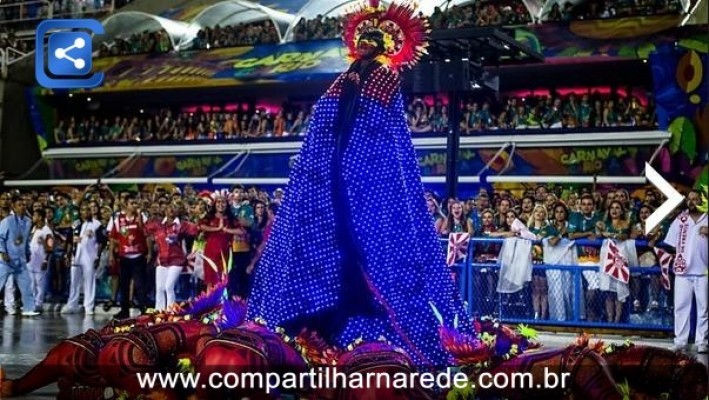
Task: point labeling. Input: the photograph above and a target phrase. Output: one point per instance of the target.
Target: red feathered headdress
(405, 33)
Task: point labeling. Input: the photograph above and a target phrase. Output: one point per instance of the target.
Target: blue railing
(647, 308)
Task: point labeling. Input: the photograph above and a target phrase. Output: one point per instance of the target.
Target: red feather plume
(405, 33)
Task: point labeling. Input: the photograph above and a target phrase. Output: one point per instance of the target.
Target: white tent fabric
(126, 23)
(336, 8)
(325, 8)
(697, 12)
(233, 12)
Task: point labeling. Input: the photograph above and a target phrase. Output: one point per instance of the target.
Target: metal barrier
(564, 293)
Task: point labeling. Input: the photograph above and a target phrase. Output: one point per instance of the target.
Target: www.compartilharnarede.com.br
(332, 378)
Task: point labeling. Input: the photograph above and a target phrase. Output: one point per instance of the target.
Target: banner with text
(323, 59)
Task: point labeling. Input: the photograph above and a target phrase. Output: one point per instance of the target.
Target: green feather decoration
(465, 393)
(704, 207)
(184, 365)
(624, 389)
(527, 332)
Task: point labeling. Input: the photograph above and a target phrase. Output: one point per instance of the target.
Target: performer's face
(366, 48)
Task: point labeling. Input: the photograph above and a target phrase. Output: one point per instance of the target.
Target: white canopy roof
(336, 8)
(232, 12)
(126, 23)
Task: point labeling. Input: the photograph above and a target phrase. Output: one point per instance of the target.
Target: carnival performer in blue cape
(353, 253)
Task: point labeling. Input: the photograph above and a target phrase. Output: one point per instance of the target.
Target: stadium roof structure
(233, 12)
(124, 24)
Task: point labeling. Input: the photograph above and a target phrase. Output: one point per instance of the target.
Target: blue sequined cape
(307, 275)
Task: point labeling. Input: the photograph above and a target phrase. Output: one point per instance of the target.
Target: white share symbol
(60, 54)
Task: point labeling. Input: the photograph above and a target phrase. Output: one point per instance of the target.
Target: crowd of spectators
(533, 112)
(245, 34)
(552, 112)
(481, 13)
(318, 28)
(164, 125)
(26, 14)
(18, 18)
(546, 211)
(64, 211)
(605, 9)
(558, 213)
(153, 42)
(424, 116)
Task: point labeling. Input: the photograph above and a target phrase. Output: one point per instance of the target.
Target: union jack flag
(457, 247)
(616, 265)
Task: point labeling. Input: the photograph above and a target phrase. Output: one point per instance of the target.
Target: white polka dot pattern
(299, 273)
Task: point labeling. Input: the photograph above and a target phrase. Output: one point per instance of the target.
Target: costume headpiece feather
(405, 34)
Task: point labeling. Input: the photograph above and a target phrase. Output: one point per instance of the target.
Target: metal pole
(453, 144)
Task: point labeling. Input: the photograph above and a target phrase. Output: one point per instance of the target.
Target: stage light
(88, 99)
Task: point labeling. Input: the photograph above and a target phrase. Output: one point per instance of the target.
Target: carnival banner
(224, 67)
(608, 38)
(586, 161)
(323, 59)
(144, 166)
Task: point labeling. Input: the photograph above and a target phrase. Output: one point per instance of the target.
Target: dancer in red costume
(218, 229)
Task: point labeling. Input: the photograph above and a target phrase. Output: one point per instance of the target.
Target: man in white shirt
(83, 266)
(688, 235)
(41, 244)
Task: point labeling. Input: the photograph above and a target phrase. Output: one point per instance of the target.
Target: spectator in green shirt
(582, 225)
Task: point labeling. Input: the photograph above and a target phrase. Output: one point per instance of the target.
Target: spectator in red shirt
(168, 234)
(128, 233)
